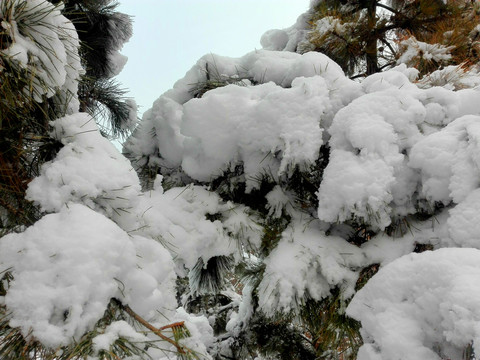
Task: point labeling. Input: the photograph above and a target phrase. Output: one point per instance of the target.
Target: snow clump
(421, 306)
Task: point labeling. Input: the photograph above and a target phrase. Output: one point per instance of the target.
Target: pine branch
(156, 331)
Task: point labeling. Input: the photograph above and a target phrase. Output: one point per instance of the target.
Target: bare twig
(156, 331)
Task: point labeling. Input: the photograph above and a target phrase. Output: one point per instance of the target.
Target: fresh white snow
(398, 147)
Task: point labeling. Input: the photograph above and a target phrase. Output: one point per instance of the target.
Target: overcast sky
(171, 35)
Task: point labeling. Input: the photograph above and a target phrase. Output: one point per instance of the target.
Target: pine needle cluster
(365, 37)
(14, 345)
(28, 103)
(25, 112)
(102, 30)
(214, 79)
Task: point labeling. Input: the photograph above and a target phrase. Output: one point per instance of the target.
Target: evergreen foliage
(29, 101)
(38, 84)
(365, 37)
(25, 111)
(102, 31)
(243, 235)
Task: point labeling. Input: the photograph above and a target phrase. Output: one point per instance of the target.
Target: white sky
(169, 36)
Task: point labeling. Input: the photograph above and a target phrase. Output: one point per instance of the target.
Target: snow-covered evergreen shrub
(273, 217)
(344, 178)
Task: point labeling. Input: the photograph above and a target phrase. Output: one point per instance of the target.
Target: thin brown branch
(174, 325)
(152, 328)
(358, 76)
(391, 63)
(385, 42)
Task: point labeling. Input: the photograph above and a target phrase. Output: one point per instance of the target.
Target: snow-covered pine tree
(74, 284)
(363, 36)
(30, 100)
(102, 32)
(286, 206)
(341, 180)
(35, 89)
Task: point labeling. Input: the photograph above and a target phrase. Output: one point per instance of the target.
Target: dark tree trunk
(371, 46)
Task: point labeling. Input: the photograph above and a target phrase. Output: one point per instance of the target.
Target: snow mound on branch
(452, 77)
(275, 40)
(263, 127)
(201, 333)
(200, 338)
(421, 306)
(178, 219)
(149, 287)
(120, 30)
(88, 170)
(381, 140)
(413, 50)
(367, 170)
(47, 47)
(464, 223)
(306, 264)
(269, 128)
(64, 273)
(288, 39)
(449, 161)
(113, 332)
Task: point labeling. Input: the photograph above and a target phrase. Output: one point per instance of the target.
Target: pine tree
(40, 70)
(359, 190)
(33, 91)
(280, 195)
(365, 37)
(25, 144)
(103, 31)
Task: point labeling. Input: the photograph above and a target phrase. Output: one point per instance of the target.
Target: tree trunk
(371, 47)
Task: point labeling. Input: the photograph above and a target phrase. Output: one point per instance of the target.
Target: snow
(113, 332)
(382, 147)
(117, 61)
(274, 39)
(251, 125)
(452, 78)
(398, 145)
(200, 330)
(65, 273)
(413, 50)
(88, 169)
(278, 202)
(421, 306)
(120, 30)
(403, 164)
(367, 198)
(266, 127)
(148, 288)
(464, 223)
(47, 47)
(448, 161)
(287, 39)
(306, 263)
(367, 144)
(177, 218)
